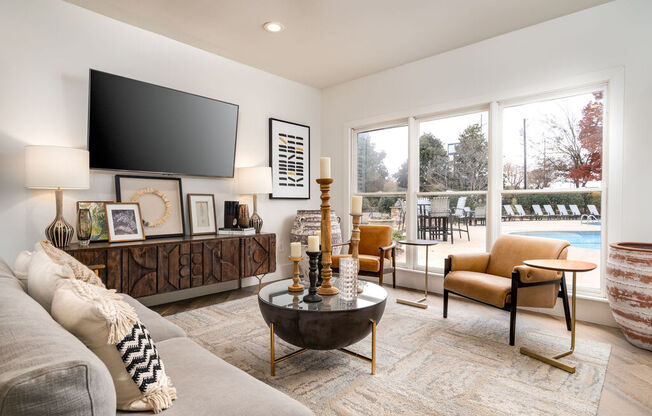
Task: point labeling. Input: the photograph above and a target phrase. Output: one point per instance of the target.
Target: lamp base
(59, 232)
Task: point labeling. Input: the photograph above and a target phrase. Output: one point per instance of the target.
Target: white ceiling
(326, 42)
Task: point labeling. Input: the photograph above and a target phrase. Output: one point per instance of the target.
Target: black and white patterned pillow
(140, 357)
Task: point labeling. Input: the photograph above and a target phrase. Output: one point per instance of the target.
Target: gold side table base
(273, 361)
(550, 360)
(417, 304)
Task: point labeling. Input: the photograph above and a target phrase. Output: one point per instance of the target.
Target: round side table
(419, 243)
(560, 265)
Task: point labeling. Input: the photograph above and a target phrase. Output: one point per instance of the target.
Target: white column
(495, 173)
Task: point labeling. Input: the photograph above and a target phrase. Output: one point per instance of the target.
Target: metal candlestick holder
(326, 287)
(296, 286)
(355, 242)
(312, 296)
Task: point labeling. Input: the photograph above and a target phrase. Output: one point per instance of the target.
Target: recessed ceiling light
(273, 27)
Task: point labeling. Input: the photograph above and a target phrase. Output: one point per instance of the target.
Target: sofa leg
(445, 303)
(564, 301)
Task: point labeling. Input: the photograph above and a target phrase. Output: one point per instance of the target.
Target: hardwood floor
(628, 383)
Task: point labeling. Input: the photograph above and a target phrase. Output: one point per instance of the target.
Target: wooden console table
(155, 266)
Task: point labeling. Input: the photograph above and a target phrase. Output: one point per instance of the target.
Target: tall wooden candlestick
(296, 286)
(326, 287)
(355, 242)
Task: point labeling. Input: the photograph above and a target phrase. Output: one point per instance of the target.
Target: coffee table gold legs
(273, 361)
(421, 302)
(554, 360)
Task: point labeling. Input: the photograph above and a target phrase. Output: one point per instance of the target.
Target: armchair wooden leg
(445, 303)
(512, 312)
(394, 266)
(563, 294)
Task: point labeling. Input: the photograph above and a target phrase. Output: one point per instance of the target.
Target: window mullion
(412, 189)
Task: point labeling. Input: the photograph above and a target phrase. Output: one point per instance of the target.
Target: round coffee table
(330, 324)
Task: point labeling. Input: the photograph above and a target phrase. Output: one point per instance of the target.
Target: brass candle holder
(296, 286)
(326, 287)
(355, 242)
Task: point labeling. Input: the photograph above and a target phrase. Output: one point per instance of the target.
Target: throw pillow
(80, 270)
(21, 266)
(42, 277)
(110, 328)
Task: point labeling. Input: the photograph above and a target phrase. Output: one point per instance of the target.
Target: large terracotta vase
(629, 289)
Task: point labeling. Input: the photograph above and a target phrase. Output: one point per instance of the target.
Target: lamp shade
(52, 167)
(256, 180)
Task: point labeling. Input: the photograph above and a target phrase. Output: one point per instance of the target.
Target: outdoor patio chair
(562, 211)
(510, 212)
(593, 211)
(480, 215)
(521, 211)
(538, 213)
(461, 218)
(550, 211)
(576, 212)
(423, 217)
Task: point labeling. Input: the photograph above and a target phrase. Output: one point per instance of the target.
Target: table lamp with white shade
(53, 167)
(253, 181)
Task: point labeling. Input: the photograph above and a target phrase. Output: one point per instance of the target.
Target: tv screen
(138, 126)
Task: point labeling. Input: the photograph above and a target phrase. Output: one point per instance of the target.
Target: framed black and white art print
(289, 157)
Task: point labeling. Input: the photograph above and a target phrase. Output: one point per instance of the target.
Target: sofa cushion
(110, 328)
(487, 288)
(44, 369)
(43, 276)
(367, 263)
(209, 386)
(159, 327)
(81, 271)
(21, 266)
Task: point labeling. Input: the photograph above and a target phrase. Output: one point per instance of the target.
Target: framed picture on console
(124, 221)
(289, 157)
(201, 212)
(98, 219)
(160, 203)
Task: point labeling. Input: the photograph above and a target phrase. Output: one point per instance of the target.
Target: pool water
(583, 239)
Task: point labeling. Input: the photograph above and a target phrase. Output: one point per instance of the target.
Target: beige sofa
(45, 370)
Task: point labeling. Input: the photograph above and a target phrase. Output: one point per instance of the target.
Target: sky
(394, 141)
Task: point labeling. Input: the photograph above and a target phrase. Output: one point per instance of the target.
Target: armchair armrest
(532, 274)
(472, 262)
(389, 247)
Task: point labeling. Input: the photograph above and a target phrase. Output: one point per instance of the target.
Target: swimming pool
(583, 239)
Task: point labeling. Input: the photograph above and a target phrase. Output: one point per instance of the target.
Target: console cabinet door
(140, 266)
(221, 260)
(259, 255)
(173, 267)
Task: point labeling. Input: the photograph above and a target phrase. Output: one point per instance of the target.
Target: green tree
(470, 164)
(372, 172)
(433, 165)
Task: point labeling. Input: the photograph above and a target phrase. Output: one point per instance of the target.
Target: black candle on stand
(312, 296)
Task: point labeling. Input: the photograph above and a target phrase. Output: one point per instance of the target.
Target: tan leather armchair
(377, 252)
(500, 279)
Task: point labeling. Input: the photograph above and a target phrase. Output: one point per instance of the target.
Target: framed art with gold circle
(160, 200)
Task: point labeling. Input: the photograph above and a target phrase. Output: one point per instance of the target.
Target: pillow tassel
(160, 396)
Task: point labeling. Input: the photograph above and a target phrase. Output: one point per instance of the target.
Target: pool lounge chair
(538, 213)
(576, 211)
(510, 212)
(521, 212)
(550, 211)
(593, 211)
(563, 212)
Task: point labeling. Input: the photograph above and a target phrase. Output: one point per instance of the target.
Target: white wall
(616, 34)
(46, 50)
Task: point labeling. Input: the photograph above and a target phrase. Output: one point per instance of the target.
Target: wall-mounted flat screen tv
(137, 126)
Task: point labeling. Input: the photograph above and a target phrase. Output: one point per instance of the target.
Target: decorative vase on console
(629, 284)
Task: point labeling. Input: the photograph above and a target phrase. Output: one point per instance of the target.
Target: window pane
(382, 160)
(387, 210)
(459, 222)
(574, 217)
(557, 142)
(453, 153)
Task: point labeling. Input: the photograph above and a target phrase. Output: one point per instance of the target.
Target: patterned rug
(426, 365)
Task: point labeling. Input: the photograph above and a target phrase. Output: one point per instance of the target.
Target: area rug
(426, 365)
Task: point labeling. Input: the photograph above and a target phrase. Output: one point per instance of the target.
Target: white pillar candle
(324, 167)
(295, 249)
(319, 236)
(356, 205)
(313, 243)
